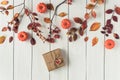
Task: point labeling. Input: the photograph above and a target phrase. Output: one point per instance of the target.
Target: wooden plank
(95, 54)
(40, 71)
(61, 43)
(112, 67)
(77, 49)
(6, 49)
(22, 50)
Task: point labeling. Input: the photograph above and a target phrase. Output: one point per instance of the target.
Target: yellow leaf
(62, 14)
(94, 41)
(4, 2)
(95, 26)
(2, 39)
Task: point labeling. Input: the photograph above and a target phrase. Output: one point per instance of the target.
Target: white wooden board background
(21, 61)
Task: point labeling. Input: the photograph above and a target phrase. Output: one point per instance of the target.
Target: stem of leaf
(55, 13)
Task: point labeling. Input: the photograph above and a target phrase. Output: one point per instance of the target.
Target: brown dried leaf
(10, 7)
(86, 39)
(33, 41)
(115, 18)
(94, 41)
(7, 12)
(116, 36)
(73, 37)
(95, 26)
(117, 10)
(2, 39)
(73, 29)
(62, 14)
(4, 2)
(47, 20)
(50, 6)
(90, 6)
(100, 1)
(27, 12)
(2, 8)
(4, 29)
(16, 15)
(109, 11)
(87, 16)
(81, 31)
(78, 20)
(10, 39)
(93, 13)
(93, 1)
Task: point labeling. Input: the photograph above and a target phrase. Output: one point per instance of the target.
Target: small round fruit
(109, 44)
(22, 36)
(65, 23)
(41, 7)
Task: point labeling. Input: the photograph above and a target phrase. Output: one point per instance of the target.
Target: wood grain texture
(21, 61)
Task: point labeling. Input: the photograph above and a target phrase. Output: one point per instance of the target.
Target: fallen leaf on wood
(94, 41)
(95, 26)
(62, 14)
(4, 2)
(2, 39)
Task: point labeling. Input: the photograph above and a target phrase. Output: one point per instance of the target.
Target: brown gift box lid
(54, 59)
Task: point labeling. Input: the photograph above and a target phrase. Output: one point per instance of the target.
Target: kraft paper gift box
(54, 59)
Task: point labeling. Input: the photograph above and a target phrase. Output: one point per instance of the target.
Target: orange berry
(109, 44)
(41, 7)
(22, 36)
(66, 23)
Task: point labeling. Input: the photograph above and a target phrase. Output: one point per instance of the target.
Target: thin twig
(19, 5)
(55, 13)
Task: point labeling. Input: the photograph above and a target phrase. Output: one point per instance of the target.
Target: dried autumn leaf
(93, 1)
(94, 41)
(33, 41)
(93, 13)
(47, 20)
(4, 2)
(109, 11)
(7, 12)
(115, 18)
(73, 29)
(10, 39)
(78, 20)
(100, 1)
(86, 39)
(108, 21)
(62, 14)
(87, 16)
(27, 12)
(4, 29)
(95, 26)
(117, 10)
(50, 6)
(16, 15)
(2, 39)
(116, 36)
(10, 7)
(90, 6)
(81, 31)
(2, 8)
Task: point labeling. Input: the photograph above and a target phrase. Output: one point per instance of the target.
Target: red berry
(41, 7)
(66, 23)
(22, 36)
(109, 44)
